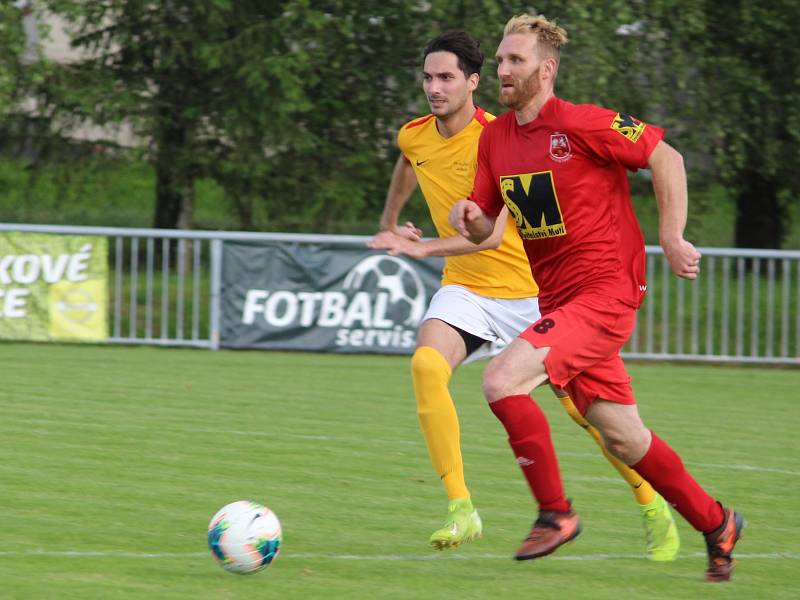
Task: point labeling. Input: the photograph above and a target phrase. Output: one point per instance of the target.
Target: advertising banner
(294, 296)
(53, 287)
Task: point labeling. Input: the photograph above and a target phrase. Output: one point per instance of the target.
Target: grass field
(115, 458)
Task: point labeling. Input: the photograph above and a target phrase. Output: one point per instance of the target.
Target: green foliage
(119, 192)
(97, 190)
(278, 101)
(329, 84)
(292, 107)
(726, 76)
(755, 69)
(12, 41)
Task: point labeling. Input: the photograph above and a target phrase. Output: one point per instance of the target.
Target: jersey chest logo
(532, 199)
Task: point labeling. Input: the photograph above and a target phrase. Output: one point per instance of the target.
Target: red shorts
(585, 337)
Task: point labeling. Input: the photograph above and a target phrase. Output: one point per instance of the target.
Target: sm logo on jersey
(628, 126)
(532, 199)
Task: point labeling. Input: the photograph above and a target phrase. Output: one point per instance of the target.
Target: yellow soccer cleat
(463, 525)
(663, 541)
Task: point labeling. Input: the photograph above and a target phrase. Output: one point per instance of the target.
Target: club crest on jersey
(560, 149)
(627, 126)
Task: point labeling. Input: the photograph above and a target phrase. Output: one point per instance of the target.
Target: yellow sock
(438, 420)
(642, 491)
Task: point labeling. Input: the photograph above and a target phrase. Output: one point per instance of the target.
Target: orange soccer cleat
(551, 530)
(720, 543)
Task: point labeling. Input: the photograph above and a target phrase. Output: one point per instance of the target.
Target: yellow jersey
(445, 169)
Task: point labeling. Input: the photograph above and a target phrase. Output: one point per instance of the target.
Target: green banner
(53, 287)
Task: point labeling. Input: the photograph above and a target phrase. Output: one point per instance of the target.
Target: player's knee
(616, 445)
(629, 446)
(507, 375)
(495, 381)
(429, 368)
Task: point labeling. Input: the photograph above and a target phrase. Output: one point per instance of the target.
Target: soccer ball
(244, 536)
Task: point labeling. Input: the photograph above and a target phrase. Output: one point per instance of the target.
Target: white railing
(745, 307)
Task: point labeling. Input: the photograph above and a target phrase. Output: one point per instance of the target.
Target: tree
(722, 78)
(12, 45)
(139, 66)
(324, 85)
(19, 72)
(292, 106)
(752, 73)
(726, 78)
(291, 102)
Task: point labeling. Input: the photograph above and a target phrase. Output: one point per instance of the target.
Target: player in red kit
(561, 169)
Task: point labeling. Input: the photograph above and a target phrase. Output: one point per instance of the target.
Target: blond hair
(550, 37)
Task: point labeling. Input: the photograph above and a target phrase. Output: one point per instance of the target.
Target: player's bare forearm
(669, 185)
(396, 245)
(470, 221)
(401, 186)
(458, 245)
(455, 245)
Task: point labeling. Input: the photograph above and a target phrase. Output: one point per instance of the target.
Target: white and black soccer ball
(244, 536)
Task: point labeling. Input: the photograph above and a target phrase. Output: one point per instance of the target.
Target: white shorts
(496, 320)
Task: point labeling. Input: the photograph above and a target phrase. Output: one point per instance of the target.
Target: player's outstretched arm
(401, 186)
(469, 220)
(669, 184)
(455, 245)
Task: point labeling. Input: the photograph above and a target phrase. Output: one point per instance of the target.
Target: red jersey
(564, 178)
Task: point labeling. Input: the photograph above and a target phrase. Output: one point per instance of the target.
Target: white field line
(373, 557)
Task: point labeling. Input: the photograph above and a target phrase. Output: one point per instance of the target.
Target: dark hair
(466, 48)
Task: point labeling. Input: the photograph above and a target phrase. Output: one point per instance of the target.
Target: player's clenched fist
(683, 258)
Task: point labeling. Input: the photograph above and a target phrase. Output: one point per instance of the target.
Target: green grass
(99, 192)
(112, 455)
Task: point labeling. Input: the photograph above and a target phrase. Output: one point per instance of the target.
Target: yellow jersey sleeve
(445, 169)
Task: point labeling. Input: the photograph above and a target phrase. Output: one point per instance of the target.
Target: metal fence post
(216, 293)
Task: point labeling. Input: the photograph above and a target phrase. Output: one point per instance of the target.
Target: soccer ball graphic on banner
(394, 277)
(244, 536)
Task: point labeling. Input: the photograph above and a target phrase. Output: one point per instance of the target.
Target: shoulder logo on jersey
(532, 200)
(627, 126)
(560, 149)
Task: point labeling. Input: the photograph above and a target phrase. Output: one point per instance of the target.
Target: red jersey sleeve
(617, 137)
(485, 192)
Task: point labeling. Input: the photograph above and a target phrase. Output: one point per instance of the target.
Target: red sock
(663, 468)
(529, 437)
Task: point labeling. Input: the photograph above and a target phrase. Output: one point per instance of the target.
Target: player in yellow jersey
(488, 295)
